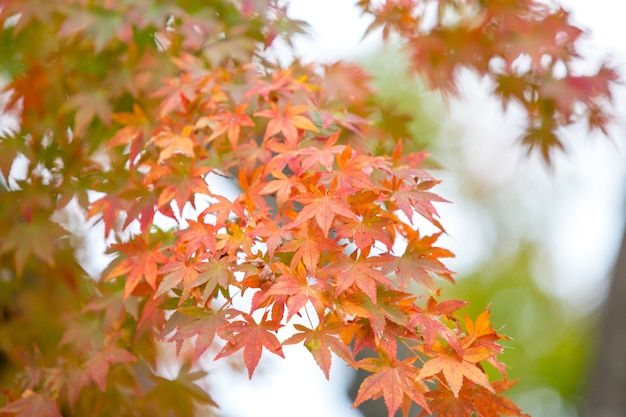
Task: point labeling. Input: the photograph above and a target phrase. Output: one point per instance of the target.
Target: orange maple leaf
(171, 142)
(141, 262)
(307, 246)
(230, 122)
(283, 186)
(453, 369)
(323, 205)
(320, 342)
(287, 121)
(419, 262)
(361, 270)
(297, 287)
(397, 381)
(473, 400)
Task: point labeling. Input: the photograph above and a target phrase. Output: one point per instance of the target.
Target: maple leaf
(296, 285)
(454, 369)
(282, 82)
(287, 122)
(100, 27)
(431, 326)
(251, 336)
(361, 270)
(37, 238)
(170, 143)
(213, 274)
(178, 270)
(397, 381)
(151, 317)
(198, 236)
(32, 404)
(307, 245)
(274, 234)
(323, 205)
(480, 341)
(419, 260)
(188, 322)
(283, 186)
(133, 133)
(320, 342)
(386, 317)
(412, 197)
(235, 240)
(224, 207)
(489, 404)
(324, 156)
(88, 105)
(446, 404)
(366, 230)
(178, 181)
(354, 172)
(473, 400)
(231, 123)
(97, 366)
(109, 304)
(203, 269)
(141, 262)
(348, 81)
(174, 92)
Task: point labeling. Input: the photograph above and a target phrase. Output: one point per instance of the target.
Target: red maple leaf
(320, 342)
(419, 262)
(364, 231)
(283, 186)
(354, 170)
(358, 269)
(188, 322)
(307, 245)
(203, 269)
(314, 156)
(298, 288)
(446, 404)
(323, 205)
(141, 261)
(287, 122)
(224, 207)
(431, 326)
(397, 381)
(273, 233)
(230, 122)
(412, 197)
(198, 236)
(250, 336)
(178, 181)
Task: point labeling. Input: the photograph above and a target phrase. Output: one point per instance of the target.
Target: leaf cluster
(129, 111)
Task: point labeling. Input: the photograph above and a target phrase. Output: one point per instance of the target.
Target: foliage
(129, 111)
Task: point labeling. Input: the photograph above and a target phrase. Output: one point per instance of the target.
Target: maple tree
(128, 110)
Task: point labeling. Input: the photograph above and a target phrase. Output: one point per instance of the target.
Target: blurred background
(539, 243)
